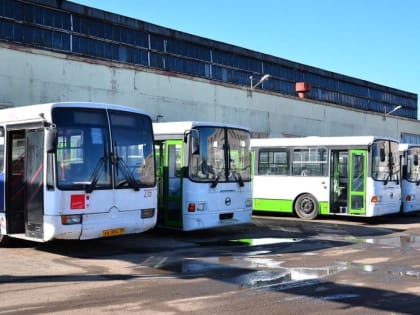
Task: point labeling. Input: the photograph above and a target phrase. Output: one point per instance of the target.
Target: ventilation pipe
(302, 88)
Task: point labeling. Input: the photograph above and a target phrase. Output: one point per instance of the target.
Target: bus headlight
(375, 199)
(147, 213)
(71, 219)
(199, 206)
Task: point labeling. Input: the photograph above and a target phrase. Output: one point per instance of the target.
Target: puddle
(255, 271)
(404, 241)
(258, 269)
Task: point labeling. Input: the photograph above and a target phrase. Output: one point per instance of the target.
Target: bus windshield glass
(413, 168)
(385, 160)
(220, 154)
(86, 158)
(133, 150)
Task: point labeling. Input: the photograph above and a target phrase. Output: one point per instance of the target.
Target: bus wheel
(306, 207)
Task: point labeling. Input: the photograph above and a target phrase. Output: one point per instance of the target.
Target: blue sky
(373, 40)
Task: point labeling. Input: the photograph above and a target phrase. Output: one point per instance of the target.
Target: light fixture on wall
(159, 118)
(392, 111)
(252, 86)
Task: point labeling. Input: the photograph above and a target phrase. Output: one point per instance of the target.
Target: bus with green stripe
(204, 174)
(311, 176)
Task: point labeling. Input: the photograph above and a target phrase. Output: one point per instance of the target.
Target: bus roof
(406, 146)
(179, 127)
(35, 112)
(314, 140)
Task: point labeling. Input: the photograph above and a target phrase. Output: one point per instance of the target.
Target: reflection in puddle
(403, 241)
(258, 271)
(266, 278)
(265, 241)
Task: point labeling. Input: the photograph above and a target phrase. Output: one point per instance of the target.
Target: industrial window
(97, 28)
(185, 66)
(187, 49)
(27, 12)
(34, 36)
(157, 60)
(281, 86)
(231, 75)
(410, 138)
(141, 57)
(95, 48)
(157, 42)
(236, 61)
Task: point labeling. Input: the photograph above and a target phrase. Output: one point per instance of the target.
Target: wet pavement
(276, 265)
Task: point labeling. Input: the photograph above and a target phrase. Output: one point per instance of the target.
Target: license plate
(112, 232)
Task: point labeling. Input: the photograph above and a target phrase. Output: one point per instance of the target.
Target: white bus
(410, 177)
(327, 175)
(76, 171)
(204, 173)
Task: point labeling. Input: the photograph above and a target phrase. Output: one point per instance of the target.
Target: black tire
(306, 207)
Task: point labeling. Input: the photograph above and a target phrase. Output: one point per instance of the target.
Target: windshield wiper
(215, 182)
(240, 180)
(128, 174)
(94, 177)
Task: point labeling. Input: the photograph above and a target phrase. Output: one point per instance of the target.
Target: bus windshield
(413, 168)
(385, 160)
(220, 154)
(90, 155)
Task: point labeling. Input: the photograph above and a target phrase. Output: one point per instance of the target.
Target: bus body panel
(226, 204)
(80, 202)
(411, 196)
(98, 225)
(110, 212)
(283, 193)
(410, 177)
(389, 198)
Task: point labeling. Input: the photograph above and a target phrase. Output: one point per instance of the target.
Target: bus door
(25, 194)
(170, 194)
(357, 182)
(15, 187)
(339, 181)
(34, 183)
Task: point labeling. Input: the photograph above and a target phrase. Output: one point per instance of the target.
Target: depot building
(62, 51)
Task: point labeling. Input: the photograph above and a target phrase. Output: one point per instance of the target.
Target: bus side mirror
(194, 140)
(404, 171)
(50, 139)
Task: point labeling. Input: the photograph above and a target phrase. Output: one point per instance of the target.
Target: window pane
(310, 162)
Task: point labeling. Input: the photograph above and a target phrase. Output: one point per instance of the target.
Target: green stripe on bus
(286, 206)
(324, 207)
(273, 205)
